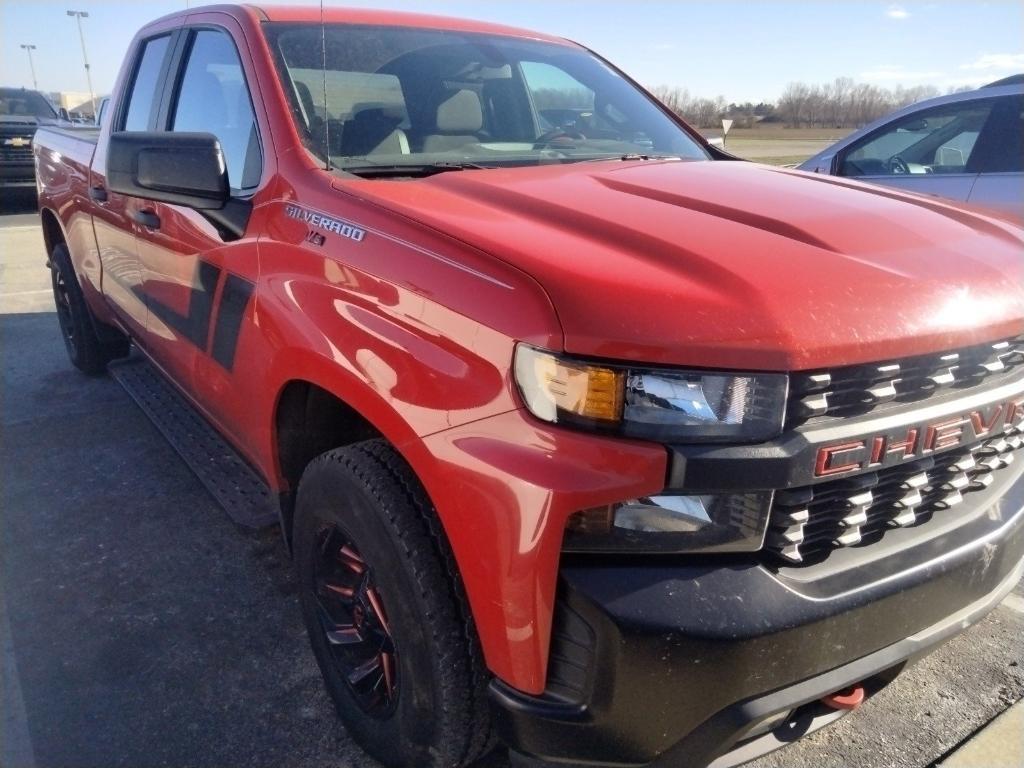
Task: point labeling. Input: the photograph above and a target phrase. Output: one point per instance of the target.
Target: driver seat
(373, 130)
(459, 120)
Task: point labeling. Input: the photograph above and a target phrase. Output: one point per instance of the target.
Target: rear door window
(1001, 147)
(143, 95)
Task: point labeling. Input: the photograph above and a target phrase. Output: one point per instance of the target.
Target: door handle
(98, 193)
(147, 219)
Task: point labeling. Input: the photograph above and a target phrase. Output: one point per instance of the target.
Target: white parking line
(1014, 603)
(24, 293)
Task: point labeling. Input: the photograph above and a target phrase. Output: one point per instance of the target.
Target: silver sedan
(965, 146)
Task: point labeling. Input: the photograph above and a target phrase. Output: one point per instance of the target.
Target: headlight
(673, 523)
(653, 404)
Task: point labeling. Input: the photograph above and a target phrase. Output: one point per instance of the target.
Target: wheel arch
(308, 420)
(53, 231)
(320, 406)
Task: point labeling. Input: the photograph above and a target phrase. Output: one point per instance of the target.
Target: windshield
(22, 103)
(399, 97)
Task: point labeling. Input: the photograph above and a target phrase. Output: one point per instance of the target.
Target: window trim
(118, 124)
(172, 90)
(841, 155)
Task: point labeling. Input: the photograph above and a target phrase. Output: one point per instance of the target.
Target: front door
(927, 152)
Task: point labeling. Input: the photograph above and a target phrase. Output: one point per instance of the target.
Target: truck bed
(63, 158)
(65, 146)
(86, 133)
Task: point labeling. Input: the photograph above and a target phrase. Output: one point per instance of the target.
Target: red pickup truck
(586, 435)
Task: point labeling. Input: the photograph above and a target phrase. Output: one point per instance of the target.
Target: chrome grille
(860, 389)
(16, 154)
(806, 523)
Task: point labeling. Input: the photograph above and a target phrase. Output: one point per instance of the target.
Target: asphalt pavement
(140, 627)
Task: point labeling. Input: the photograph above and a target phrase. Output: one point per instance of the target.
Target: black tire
(362, 504)
(90, 344)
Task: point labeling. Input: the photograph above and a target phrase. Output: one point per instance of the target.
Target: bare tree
(842, 103)
(701, 112)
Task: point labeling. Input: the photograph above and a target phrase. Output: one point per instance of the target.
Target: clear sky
(740, 50)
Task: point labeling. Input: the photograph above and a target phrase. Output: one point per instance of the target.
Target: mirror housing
(64, 114)
(178, 168)
(186, 169)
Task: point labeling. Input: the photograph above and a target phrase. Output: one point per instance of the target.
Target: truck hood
(730, 264)
(29, 122)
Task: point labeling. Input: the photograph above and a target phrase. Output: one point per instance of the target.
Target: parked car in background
(964, 146)
(21, 112)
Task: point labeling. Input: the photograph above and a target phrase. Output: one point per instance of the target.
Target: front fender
(504, 488)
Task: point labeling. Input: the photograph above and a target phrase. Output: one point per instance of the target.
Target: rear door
(999, 160)
(116, 217)
(198, 282)
(927, 152)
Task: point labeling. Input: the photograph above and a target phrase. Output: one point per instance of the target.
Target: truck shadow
(180, 640)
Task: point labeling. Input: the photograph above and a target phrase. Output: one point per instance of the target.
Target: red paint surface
(697, 263)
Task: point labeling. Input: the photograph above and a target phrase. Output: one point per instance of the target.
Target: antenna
(327, 115)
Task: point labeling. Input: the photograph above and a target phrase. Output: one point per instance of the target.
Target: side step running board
(226, 475)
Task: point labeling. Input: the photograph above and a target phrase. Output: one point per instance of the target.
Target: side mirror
(186, 169)
(64, 114)
(178, 168)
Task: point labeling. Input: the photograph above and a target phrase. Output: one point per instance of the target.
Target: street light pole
(31, 65)
(79, 15)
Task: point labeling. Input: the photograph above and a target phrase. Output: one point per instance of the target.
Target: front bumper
(669, 664)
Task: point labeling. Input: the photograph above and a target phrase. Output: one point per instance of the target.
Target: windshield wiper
(625, 157)
(418, 170)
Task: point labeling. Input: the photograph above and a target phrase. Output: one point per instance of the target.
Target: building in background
(77, 103)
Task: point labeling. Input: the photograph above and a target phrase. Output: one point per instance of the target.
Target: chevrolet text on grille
(811, 520)
(917, 441)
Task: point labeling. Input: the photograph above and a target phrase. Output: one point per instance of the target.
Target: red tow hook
(851, 698)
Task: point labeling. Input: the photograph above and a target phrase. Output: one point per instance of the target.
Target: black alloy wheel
(354, 622)
(386, 612)
(62, 300)
(90, 343)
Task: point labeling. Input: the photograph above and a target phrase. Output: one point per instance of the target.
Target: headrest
(210, 93)
(460, 113)
(378, 110)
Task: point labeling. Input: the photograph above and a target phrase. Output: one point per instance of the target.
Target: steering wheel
(547, 139)
(897, 165)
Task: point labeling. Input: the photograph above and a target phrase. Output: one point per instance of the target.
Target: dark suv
(21, 112)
